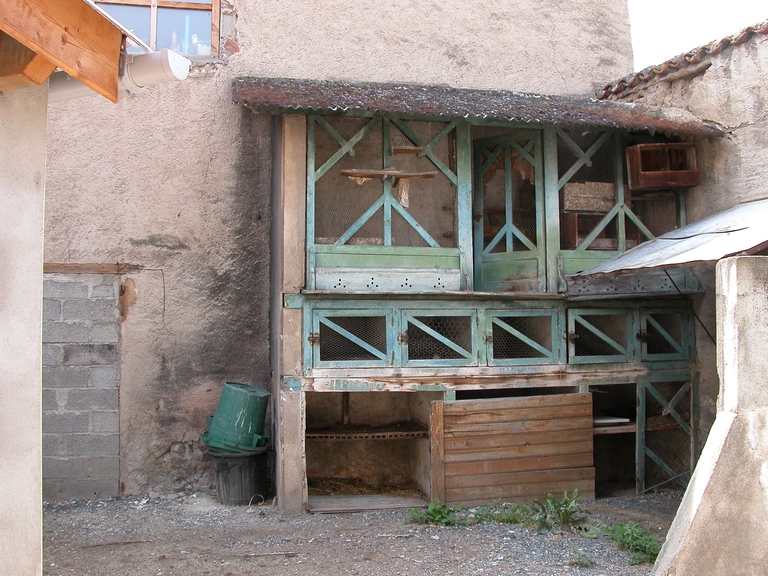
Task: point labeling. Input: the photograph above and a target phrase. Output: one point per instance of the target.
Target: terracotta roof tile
(694, 60)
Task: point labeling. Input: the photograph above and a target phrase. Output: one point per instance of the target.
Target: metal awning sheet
(741, 228)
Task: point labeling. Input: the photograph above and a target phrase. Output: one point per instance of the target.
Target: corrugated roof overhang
(286, 95)
(740, 229)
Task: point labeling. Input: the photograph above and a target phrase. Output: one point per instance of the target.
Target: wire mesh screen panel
(381, 182)
(340, 201)
(439, 339)
(668, 443)
(523, 339)
(587, 173)
(662, 334)
(599, 335)
(359, 340)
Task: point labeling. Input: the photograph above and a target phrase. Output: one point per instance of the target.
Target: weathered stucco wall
(721, 527)
(732, 92)
(179, 187)
(544, 46)
(22, 181)
(177, 182)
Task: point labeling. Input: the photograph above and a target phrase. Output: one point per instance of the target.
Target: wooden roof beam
(70, 34)
(20, 67)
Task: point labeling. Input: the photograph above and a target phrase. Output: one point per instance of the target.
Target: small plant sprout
(635, 538)
(436, 513)
(580, 559)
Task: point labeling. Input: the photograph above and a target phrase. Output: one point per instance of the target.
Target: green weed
(580, 559)
(438, 514)
(552, 514)
(637, 540)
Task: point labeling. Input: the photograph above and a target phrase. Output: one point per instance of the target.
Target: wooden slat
(464, 406)
(519, 493)
(336, 504)
(85, 268)
(518, 464)
(437, 451)
(71, 34)
(514, 478)
(525, 414)
(511, 452)
(491, 429)
(461, 444)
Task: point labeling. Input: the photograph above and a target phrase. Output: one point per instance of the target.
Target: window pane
(135, 18)
(185, 31)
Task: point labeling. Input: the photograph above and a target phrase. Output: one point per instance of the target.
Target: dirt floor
(192, 534)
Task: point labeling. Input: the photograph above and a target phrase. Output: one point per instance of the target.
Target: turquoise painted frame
(534, 154)
(557, 355)
(461, 179)
(624, 353)
(325, 317)
(410, 316)
(689, 380)
(684, 348)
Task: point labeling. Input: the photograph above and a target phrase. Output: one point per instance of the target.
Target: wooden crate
(515, 449)
(662, 166)
(589, 197)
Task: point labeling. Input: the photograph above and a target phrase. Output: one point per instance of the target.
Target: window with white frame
(190, 27)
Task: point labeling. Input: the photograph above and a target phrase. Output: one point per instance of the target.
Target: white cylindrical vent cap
(156, 68)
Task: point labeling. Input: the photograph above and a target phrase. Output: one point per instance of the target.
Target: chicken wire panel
(664, 437)
(662, 333)
(430, 201)
(439, 339)
(341, 201)
(600, 167)
(523, 339)
(351, 339)
(346, 127)
(589, 194)
(599, 336)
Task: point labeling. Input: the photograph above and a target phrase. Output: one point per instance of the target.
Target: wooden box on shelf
(662, 166)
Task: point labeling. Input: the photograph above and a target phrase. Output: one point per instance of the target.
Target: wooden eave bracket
(20, 67)
(69, 34)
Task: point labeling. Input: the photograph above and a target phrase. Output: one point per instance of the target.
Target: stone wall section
(81, 423)
(732, 92)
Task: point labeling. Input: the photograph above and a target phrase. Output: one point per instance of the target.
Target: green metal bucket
(238, 422)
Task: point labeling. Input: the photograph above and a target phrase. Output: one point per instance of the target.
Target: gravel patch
(191, 534)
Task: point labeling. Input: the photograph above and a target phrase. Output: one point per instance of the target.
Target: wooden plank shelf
(385, 173)
(631, 428)
(617, 429)
(404, 431)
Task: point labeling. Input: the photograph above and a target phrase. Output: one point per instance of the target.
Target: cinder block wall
(81, 424)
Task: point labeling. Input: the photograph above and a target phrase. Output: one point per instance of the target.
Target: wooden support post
(437, 452)
(551, 210)
(621, 227)
(345, 408)
(640, 439)
(464, 203)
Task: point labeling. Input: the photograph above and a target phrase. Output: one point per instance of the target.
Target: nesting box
(662, 166)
